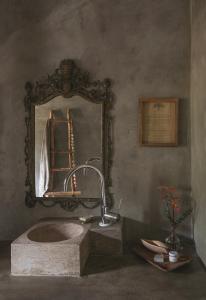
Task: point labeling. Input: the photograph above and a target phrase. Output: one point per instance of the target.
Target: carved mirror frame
(67, 80)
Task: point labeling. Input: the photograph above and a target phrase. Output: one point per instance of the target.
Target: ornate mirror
(68, 124)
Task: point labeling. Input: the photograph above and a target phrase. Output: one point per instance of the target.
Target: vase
(173, 241)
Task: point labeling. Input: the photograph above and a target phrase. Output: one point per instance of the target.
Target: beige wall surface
(144, 47)
(198, 118)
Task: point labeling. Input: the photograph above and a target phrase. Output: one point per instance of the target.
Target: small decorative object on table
(173, 256)
(159, 258)
(155, 246)
(172, 203)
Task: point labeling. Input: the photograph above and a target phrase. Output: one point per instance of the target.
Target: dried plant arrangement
(174, 211)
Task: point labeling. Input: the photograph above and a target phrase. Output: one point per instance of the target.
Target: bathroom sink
(61, 247)
(50, 233)
(51, 249)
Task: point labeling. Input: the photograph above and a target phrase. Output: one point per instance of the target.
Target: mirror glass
(68, 132)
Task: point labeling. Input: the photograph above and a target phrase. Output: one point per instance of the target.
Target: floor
(124, 277)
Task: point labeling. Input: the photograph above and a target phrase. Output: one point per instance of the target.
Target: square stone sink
(48, 248)
(60, 247)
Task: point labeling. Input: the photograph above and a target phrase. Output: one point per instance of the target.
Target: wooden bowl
(155, 246)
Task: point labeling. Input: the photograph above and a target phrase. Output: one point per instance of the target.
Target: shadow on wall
(183, 123)
(134, 230)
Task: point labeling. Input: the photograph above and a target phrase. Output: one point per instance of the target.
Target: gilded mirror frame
(67, 80)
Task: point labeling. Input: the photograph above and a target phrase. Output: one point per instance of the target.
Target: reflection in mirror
(68, 132)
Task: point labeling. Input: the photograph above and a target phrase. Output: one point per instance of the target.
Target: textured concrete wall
(198, 118)
(143, 46)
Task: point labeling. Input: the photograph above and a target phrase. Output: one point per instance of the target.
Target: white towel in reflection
(42, 183)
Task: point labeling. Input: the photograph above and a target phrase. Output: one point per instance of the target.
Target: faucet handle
(113, 215)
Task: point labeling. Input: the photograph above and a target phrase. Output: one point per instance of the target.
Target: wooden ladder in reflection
(70, 152)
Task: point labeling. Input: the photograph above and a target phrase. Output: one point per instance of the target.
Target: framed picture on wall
(158, 121)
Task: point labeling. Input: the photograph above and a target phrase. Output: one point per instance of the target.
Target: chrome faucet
(107, 217)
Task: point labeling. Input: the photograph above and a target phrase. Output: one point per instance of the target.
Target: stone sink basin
(61, 247)
(51, 249)
(51, 233)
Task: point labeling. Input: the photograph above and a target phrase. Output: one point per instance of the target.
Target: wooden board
(62, 194)
(166, 266)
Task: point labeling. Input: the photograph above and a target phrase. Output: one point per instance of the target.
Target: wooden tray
(166, 266)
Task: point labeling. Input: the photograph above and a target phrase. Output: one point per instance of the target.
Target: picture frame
(158, 122)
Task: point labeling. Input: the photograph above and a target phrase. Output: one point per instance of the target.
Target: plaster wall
(143, 46)
(198, 118)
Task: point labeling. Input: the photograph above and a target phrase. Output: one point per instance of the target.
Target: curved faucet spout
(105, 219)
(85, 166)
